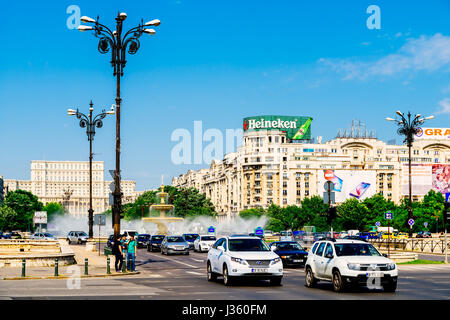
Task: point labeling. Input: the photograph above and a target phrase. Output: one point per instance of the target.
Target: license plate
(374, 274)
(297, 260)
(257, 270)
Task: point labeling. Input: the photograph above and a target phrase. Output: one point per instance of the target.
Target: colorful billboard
(425, 177)
(296, 127)
(358, 184)
(433, 134)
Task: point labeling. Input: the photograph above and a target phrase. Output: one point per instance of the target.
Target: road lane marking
(184, 263)
(196, 273)
(198, 260)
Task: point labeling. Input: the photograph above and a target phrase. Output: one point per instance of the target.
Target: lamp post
(90, 122)
(408, 127)
(119, 45)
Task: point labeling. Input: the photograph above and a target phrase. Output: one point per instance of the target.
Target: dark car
(5, 235)
(290, 252)
(110, 241)
(357, 237)
(154, 244)
(190, 238)
(423, 234)
(142, 240)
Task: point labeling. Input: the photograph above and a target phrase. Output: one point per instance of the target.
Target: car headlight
(285, 257)
(276, 260)
(353, 266)
(391, 266)
(239, 260)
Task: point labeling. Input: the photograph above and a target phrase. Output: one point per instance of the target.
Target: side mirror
(221, 248)
(273, 248)
(329, 256)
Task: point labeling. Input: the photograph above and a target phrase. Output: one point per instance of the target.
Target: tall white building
(67, 182)
(273, 167)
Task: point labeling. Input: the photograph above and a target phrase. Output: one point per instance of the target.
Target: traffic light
(331, 214)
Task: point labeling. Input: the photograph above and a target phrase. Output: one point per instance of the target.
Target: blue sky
(215, 61)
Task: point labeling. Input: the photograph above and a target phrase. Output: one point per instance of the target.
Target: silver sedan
(174, 245)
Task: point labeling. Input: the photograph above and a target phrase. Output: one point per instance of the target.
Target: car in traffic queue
(77, 236)
(109, 242)
(348, 263)
(154, 244)
(389, 235)
(5, 235)
(175, 245)
(43, 236)
(190, 238)
(286, 236)
(142, 240)
(129, 233)
(241, 257)
(402, 235)
(204, 242)
(423, 234)
(290, 252)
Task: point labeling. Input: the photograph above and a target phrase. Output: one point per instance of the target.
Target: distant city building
(67, 182)
(272, 166)
(2, 190)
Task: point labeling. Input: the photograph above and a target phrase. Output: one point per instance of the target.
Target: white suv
(204, 242)
(350, 262)
(236, 257)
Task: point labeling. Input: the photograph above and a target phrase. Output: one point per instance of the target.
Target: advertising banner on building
(433, 134)
(358, 184)
(426, 177)
(296, 127)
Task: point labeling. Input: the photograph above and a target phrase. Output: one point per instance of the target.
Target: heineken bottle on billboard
(303, 129)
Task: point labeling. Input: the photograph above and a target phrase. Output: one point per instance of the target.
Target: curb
(66, 277)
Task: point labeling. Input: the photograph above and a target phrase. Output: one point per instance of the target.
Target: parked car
(423, 234)
(142, 240)
(349, 262)
(43, 236)
(154, 244)
(190, 238)
(77, 236)
(129, 233)
(175, 245)
(290, 252)
(243, 257)
(204, 243)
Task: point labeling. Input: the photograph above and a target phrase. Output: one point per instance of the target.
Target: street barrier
(56, 268)
(86, 266)
(108, 270)
(420, 245)
(23, 267)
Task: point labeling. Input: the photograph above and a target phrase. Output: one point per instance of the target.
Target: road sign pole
(446, 245)
(389, 240)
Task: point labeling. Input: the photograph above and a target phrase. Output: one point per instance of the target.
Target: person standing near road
(118, 253)
(124, 244)
(131, 254)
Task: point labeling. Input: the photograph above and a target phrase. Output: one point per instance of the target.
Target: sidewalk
(97, 266)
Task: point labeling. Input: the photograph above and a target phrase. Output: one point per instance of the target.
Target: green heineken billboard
(296, 127)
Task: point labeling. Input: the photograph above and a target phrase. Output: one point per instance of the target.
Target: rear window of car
(208, 238)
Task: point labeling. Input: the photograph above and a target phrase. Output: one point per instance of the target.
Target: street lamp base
(90, 245)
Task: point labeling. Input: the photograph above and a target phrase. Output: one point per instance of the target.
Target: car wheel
(227, 279)
(390, 287)
(310, 280)
(68, 240)
(187, 253)
(276, 281)
(211, 276)
(79, 241)
(338, 284)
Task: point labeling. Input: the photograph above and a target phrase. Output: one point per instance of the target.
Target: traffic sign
(328, 186)
(259, 231)
(411, 222)
(425, 224)
(332, 196)
(211, 229)
(389, 215)
(378, 223)
(99, 219)
(40, 217)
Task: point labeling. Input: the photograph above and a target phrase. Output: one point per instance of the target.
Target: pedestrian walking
(118, 253)
(124, 243)
(131, 253)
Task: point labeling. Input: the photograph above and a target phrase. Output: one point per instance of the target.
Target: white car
(237, 257)
(204, 243)
(350, 262)
(43, 236)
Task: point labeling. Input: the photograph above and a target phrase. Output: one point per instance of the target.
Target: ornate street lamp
(90, 122)
(119, 46)
(408, 127)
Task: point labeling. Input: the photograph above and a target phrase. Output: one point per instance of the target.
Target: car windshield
(48, 235)
(190, 236)
(175, 239)
(208, 238)
(144, 237)
(288, 246)
(132, 233)
(247, 245)
(355, 249)
(157, 237)
(82, 234)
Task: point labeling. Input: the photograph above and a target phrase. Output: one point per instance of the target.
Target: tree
(252, 213)
(8, 218)
(353, 214)
(188, 200)
(53, 210)
(24, 203)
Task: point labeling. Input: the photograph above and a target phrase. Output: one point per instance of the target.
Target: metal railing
(421, 245)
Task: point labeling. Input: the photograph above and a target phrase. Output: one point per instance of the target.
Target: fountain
(163, 207)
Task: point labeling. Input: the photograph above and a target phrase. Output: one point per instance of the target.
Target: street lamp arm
(99, 31)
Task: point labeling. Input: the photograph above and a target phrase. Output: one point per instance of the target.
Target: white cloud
(445, 104)
(421, 54)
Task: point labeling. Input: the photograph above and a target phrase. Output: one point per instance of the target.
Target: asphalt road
(184, 277)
